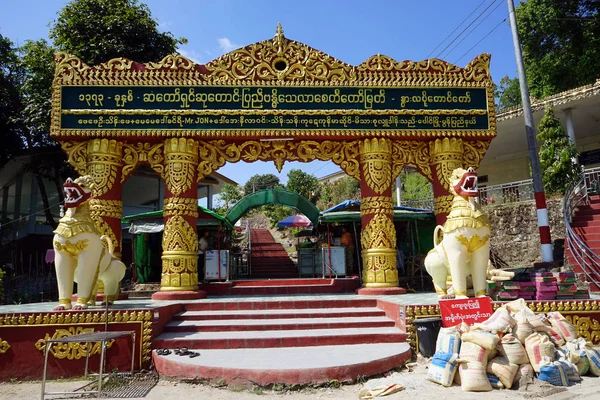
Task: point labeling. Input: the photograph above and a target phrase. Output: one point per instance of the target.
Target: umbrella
(295, 220)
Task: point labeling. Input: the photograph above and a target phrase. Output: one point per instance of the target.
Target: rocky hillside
(515, 235)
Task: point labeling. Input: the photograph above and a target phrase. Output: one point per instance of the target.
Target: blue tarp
(347, 205)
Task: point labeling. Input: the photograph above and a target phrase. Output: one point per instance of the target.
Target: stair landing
(288, 365)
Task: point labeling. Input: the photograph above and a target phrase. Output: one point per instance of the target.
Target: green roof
(215, 219)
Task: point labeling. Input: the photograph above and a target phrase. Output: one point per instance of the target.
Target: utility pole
(538, 187)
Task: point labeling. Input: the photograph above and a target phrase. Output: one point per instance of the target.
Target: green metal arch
(273, 196)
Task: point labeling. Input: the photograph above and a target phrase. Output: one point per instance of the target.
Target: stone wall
(515, 235)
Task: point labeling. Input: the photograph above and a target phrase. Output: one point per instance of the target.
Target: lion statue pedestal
(464, 249)
(82, 255)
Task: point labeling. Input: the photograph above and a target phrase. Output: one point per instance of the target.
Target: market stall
(339, 229)
(147, 228)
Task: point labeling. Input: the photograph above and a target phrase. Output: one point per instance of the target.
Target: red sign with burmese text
(469, 310)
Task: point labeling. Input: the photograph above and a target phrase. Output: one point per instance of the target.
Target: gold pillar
(104, 164)
(180, 239)
(446, 155)
(378, 237)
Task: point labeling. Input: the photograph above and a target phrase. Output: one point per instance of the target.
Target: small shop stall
(146, 230)
(414, 238)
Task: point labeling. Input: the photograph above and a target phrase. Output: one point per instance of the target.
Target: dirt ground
(413, 379)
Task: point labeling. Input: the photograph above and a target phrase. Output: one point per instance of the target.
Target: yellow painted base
(179, 288)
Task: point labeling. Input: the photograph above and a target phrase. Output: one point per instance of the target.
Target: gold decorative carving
(376, 205)
(474, 242)
(343, 154)
(4, 346)
(133, 154)
(375, 158)
(586, 327)
(463, 214)
(380, 268)
(181, 206)
(179, 235)
(442, 204)
(106, 208)
(174, 62)
(72, 249)
(104, 159)
(379, 233)
(446, 155)
(105, 229)
(76, 155)
(474, 152)
(411, 152)
(181, 159)
(70, 351)
(180, 271)
(256, 62)
(214, 154)
(142, 317)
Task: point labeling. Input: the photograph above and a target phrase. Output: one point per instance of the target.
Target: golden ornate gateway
(277, 100)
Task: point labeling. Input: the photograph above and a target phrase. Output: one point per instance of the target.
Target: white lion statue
(80, 253)
(464, 249)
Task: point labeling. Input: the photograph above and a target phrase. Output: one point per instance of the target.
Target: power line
(467, 27)
(481, 40)
(455, 29)
(472, 30)
(321, 167)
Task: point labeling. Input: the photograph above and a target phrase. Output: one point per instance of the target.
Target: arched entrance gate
(273, 196)
(276, 100)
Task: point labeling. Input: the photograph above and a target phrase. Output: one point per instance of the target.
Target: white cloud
(192, 55)
(226, 45)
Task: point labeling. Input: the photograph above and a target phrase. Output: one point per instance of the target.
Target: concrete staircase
(269, 258)
(586, 224)
(291, 341)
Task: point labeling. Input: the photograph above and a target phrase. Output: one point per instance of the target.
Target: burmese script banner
(270, 107)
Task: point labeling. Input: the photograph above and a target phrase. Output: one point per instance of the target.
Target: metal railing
(506, 193)
(239, 264)
(576, 196)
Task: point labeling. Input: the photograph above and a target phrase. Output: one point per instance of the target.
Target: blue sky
(349, 30)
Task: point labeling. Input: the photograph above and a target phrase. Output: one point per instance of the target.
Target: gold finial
(279, 30)
(279, 40)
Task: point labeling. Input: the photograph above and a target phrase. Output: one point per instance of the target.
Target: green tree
(37, 73)
(10, 101)
(346, 188)
(228, 197)
(416, 189)
(95, 31)
(99, 30)
(304, 184)
(557, 155)
(261, 182)
(561, 44)
(508, 93)
(277, 212)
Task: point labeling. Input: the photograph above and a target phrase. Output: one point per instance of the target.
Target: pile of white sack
(510, 349)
